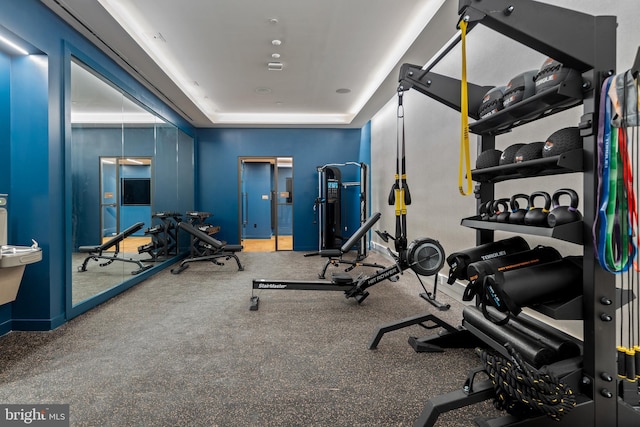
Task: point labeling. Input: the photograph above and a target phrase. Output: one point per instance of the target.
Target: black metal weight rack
(587, 44)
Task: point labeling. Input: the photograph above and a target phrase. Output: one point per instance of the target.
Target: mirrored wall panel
(132, 180)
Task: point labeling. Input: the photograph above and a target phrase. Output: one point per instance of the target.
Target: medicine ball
(551, 74)
(491, 102)
(509, 154)
(561, 141)
(520, 87)
(530, 151)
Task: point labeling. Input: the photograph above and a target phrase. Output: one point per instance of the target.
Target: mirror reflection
(131, 180)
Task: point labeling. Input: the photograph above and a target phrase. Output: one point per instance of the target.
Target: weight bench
(96, 253)
(335, 255)
(213, 249)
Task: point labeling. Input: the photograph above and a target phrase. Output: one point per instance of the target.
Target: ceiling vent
(274, 66)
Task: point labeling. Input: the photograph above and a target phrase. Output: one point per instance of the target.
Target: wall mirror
(132, 179)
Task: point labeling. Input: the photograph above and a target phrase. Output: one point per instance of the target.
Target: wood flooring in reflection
(285, 243)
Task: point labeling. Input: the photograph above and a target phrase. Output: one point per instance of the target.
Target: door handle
(245, 208)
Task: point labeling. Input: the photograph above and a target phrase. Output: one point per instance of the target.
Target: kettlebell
(564, 214)
(517, 213)
(537, 216)
(485, 210)
(500, 215)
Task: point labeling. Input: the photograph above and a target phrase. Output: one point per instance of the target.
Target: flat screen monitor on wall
(135, 191)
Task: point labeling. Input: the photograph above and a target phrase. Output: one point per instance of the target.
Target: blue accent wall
(218, 153)
(5, 131)
(33, 103)
(35, 159)
(5, 153)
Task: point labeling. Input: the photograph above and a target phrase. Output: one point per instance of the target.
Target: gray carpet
(185, 350)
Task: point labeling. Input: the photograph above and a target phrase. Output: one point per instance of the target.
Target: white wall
(432, 132)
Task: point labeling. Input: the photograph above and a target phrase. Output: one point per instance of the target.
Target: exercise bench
(96, 253)
(336, 255)
(211, 249)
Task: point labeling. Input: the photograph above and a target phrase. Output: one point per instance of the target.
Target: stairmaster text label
(35, 415)
(271, 286)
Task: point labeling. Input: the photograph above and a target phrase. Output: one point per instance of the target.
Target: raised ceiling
(209, 58)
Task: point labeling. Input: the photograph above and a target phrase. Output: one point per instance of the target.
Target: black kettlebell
(564, 214)
(517, 213)
(500, 215)
(485, 210)
(537, 216)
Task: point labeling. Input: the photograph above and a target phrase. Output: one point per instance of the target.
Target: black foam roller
(564, 347)
(532, 351)
(478, 270)
(459, 261)
(539, 284)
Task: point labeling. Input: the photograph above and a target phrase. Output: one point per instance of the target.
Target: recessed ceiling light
(274, 66)
(263, 90)
(279, 103)
(275, 55)
(343, 90)
(276, 42)
(273, 20)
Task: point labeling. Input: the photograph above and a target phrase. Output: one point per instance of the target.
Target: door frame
(120, 161)
(273, 193)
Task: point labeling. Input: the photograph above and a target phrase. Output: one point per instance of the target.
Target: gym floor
(186, 350)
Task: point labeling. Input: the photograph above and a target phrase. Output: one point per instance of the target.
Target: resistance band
(617, 223)
(614, 226)
(465, 155)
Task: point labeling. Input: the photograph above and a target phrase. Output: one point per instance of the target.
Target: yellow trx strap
(465, 156)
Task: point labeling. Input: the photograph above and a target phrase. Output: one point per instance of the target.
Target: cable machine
(329, 206)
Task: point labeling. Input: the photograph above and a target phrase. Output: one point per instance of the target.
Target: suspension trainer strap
(465, 155)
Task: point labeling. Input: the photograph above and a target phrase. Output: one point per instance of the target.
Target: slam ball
(509, 154)
(530, 151)
(561, 141)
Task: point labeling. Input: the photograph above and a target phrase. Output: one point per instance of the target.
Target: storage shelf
(571, 232)
(568, 162)
(564, 310)
(553, 100)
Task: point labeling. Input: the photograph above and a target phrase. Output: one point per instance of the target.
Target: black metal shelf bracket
(562, 34)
